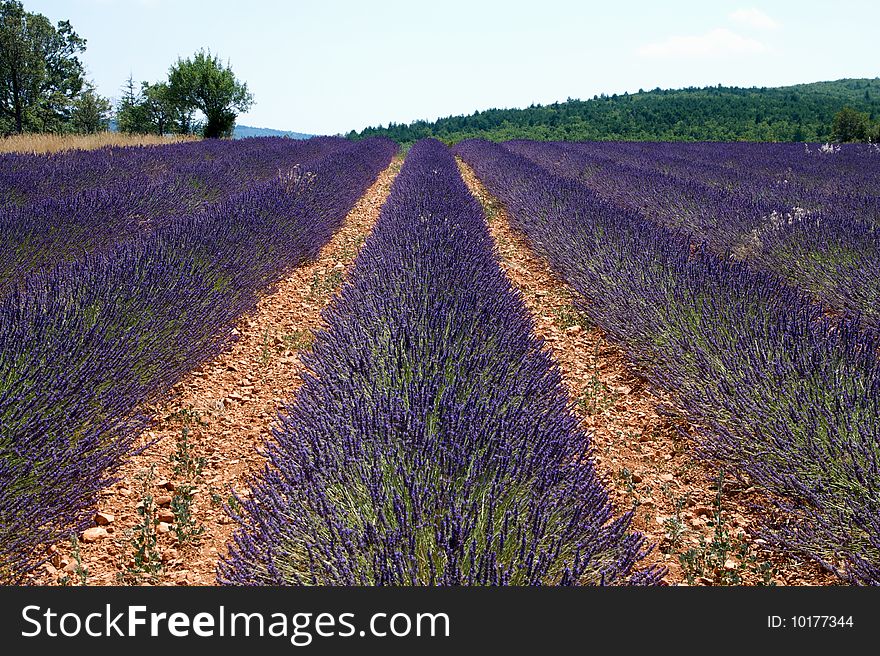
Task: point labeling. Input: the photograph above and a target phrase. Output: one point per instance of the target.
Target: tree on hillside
(850, 125)
(91, 112)
(40, 74)
(203, 83)
(716, 113)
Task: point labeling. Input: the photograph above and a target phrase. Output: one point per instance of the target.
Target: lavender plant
(812, 218)
(139, 194)
(84, 345)
(787, 398)
(432, 442)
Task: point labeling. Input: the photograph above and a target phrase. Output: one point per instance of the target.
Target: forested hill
(803, 112)
(243, 131)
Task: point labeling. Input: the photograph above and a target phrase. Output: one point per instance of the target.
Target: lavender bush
(27, 178)
(811, 217)
(86, 344)
(432, 442)
(786, 398)
(144, 189)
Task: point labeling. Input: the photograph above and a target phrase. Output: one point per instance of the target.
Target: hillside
(242, 131)
(801, 112)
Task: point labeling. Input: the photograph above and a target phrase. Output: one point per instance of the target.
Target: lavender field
(432, 439)
(145, 258)
(771, 348)
(432, 445)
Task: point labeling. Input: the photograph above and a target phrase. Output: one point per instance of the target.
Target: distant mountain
(802, 112)
(242, 131)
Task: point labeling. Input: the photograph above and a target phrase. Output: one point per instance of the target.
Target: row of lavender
(786, 398)
(796, 174)
(808, 221)
(27, 178)
(48, 218)
(432, 443)
(86, 344)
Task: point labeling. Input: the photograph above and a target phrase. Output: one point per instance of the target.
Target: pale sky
(329, 66)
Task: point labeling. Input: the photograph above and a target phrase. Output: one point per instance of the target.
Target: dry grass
(53, 143)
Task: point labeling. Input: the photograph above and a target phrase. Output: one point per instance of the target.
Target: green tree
(40, 74)
(162, 111)
(131, 115)
(803, 112)
(850, 125)
(203, 83)
(91, 112)
(151, 110)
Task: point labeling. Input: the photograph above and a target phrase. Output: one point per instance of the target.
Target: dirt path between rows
(642, 456)
(164, 522)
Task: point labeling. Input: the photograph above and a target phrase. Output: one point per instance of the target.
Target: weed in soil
(80, 571)
(143, 537)
(186, 528)
(726, 558)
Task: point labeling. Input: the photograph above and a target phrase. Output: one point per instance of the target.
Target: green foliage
(186, 527)
(131, 117)
(188, 466)
(325, 284)
(203, 83)
(299, 340)
(184, 461)
(80, 570)
(41, 77)
(152, 110)
(851, 125)
(91, 112)
(144, 538)
(162, 111)
(725, 558)
(597, 396)
(796, 113)
(674, 524)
